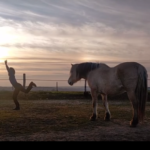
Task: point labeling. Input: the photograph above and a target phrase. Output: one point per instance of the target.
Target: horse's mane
(85, 67)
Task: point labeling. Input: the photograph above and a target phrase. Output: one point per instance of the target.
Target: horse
(129, 77)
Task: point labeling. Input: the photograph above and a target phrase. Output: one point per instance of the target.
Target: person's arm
(6, 65)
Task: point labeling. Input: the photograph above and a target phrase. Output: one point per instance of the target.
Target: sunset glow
(42, 38)
(4, 53)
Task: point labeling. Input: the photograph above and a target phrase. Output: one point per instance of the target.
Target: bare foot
(33, 84)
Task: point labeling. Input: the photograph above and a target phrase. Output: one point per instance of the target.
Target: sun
(3, 53)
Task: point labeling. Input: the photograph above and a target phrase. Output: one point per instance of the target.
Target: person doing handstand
(18, 87)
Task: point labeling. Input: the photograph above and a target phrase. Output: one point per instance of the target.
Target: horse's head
(73, 75)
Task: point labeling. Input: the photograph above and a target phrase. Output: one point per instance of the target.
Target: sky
(42, 38)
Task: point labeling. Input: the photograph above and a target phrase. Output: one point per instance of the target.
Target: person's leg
(28, 88)
(19, 88)
(15, 94)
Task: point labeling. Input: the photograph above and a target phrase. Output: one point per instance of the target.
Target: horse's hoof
(133, 124)
(107, 117)
(16, 109)
(93, 117)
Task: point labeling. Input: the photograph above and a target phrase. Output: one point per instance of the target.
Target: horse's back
(123, 77)
(128, 65)
(105, 80)
(128, 73)
(129, 69)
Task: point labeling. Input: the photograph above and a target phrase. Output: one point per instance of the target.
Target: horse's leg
(106, 106)
(133, 100)
(94, 95)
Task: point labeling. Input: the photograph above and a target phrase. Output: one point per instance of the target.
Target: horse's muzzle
(70, 83)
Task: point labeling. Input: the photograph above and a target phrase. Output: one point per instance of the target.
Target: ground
(119, 131)
(115, 130)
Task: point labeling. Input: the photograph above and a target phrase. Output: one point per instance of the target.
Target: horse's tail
(141, 91)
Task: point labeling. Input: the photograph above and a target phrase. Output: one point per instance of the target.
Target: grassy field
(51, 95)
(38, 95)
(67, 119)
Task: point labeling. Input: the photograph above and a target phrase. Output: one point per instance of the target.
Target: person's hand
(5, 61)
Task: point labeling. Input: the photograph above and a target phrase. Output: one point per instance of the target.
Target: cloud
(93, 38)
(74, 31)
